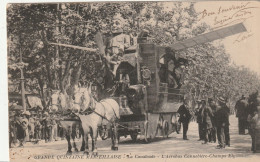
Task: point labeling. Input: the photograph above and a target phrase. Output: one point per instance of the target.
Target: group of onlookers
(247, 114)
(213, 119)
(33, 127)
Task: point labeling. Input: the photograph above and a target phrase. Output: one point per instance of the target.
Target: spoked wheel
(147, 138)
(165, 129)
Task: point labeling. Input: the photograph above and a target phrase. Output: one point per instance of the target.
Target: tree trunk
(47, 60)
(41, 84)
(66, 74)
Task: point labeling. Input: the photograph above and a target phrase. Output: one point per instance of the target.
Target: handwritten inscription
(243, 36)
(239, 15)
(221, 10)
(224, 16)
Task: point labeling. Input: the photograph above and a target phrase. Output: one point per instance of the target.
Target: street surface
(171, 147)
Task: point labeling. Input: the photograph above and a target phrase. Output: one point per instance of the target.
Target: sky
(243, 48)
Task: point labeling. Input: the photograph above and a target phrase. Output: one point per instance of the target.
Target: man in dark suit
(221, 122)
(185, 117)
(241, 109)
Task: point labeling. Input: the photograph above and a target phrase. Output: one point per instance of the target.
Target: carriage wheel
(165, 129)
(133, 136)
(147, 139)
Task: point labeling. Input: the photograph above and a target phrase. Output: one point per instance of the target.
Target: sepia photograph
(133, 80)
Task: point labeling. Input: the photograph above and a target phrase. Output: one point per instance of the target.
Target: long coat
(241, 109)
(184, 112)
(222, 116)
(207, 115)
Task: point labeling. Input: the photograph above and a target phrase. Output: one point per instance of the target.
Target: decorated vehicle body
(150, 78)
(148, 105)
(148, 94)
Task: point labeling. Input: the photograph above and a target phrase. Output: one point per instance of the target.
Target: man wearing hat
(241, 114)
(185, 117)
(222, 122)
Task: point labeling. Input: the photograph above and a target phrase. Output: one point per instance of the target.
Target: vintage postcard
(129, 80)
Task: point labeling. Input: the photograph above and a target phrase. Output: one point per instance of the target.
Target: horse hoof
(114, 148)
(69, 152)
(76, 150)
(95, 153)
(86, 153)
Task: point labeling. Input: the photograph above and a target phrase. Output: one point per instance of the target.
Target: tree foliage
(32, 26)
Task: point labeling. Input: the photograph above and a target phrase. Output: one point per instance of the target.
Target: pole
(22, 82)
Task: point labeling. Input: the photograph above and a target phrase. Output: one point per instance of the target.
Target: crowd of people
(213, 119)
(33, 127)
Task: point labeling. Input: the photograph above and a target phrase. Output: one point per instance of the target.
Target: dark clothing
(201, 134)
(206, 117)
(221, 136)
(184, 112)
(227, 135)
(213, 132)
(206, 114)
(185, 117)
(241, 109)
(253, 111)
(222, 124)
(241, 113)
(206, 135)
(222, 117)
(198, 115)
(242, 126)
(185, 126)
(200, 124)
(46, 122)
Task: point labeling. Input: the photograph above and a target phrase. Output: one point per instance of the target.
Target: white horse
(63, 103)
(94, 115)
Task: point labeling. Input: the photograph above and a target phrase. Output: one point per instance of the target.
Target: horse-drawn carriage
(148, 95)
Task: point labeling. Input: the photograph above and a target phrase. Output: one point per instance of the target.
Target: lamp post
(22, 81)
